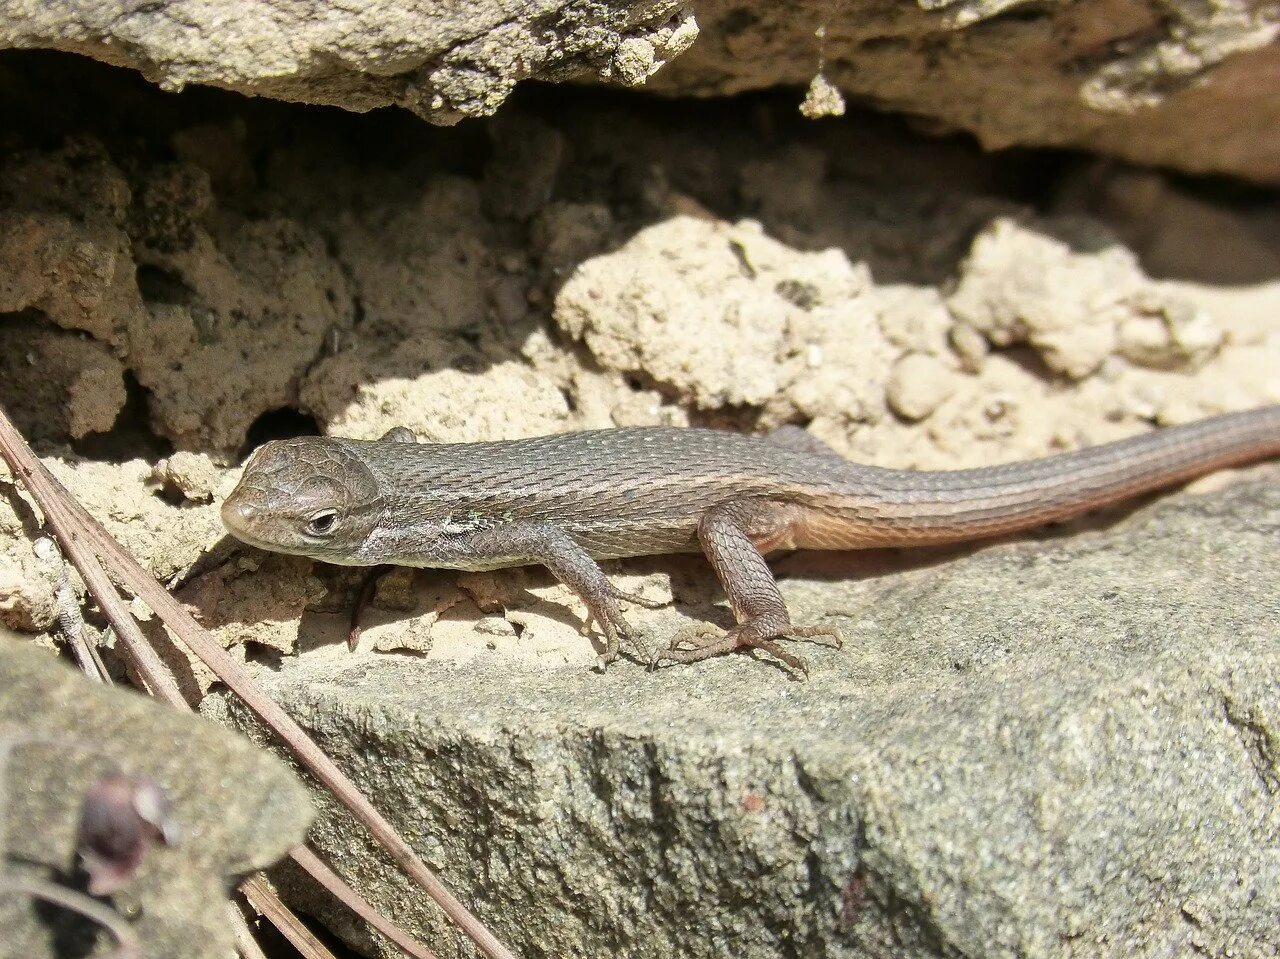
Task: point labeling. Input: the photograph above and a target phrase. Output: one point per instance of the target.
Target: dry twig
(299, 936)
(81, 537)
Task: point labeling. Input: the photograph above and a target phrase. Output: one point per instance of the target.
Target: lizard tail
(908, 508)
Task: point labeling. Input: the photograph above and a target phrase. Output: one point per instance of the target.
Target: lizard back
(618, 492)
(642, 490)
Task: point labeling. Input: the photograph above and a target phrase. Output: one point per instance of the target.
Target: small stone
(918, 385)
(94, 400)
(823, 99)
(1176, 336)
(26, 604)
(970, 345)
(634, 61)
(191, 475)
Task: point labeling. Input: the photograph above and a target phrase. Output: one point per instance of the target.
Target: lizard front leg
(550, 546)
(748, 582)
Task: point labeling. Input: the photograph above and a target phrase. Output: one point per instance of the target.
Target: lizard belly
(639, 538)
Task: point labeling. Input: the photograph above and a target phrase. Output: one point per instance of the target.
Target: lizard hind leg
(753, 593)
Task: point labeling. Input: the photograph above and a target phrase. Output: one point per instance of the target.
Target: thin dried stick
(284, 919)
(319, 870)
(246, 945)
(75, 528)
(153, 671)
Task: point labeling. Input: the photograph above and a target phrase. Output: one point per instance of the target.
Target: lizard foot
(615, 629)
(703, 644)
(698, 646)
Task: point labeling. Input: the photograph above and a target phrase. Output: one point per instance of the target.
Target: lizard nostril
(237, 513)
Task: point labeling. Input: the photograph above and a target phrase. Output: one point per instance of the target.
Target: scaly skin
(570, 500)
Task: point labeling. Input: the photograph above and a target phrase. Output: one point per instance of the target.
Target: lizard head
(309, 496)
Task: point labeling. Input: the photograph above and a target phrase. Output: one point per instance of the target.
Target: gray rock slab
(237, 809)
(1056, 748)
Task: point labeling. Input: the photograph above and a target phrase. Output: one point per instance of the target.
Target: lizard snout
(238, 514)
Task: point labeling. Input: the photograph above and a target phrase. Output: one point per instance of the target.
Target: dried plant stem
(246, 945)
(81, 536)
(56, 513)
(266, 902)
(319, 870)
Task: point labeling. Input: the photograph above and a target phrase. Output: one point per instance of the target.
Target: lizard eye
(323, 522)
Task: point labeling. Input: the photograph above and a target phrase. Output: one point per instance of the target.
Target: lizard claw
(809, 632)
(615, 628)
(743, 636)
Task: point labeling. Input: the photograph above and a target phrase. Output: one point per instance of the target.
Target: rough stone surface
(1052, 749)
(1180, 84)
(237, 809)
(63, 380)
(443, 60)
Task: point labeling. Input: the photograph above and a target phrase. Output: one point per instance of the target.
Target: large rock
(236, 809)
(1043, 749)
(1181, 84)
(441, 59)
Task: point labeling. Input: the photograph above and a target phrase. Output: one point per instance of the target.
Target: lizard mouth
(250, 523)
(289, 486)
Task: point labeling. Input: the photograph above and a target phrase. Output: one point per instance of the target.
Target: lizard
(568, 501)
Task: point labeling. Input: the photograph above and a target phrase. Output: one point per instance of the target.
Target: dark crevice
(163, 287)
(71, 935)
(1031, 361)
(275, 944)
(738, 20)
(170, 495)
(130, 437)
(263, 655)
(279, 424)
(1032, 12)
